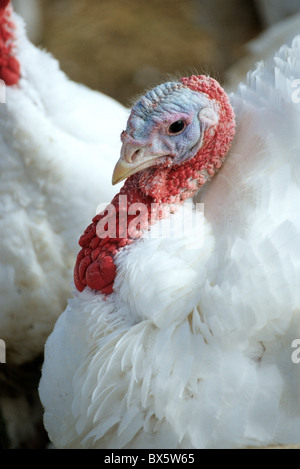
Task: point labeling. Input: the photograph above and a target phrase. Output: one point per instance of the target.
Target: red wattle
(95, 267)
(11, 72)
(3, 5)
(101, 273)
(9, 65)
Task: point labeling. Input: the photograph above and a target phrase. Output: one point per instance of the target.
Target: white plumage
(263, 47)
(31, 12)
(193, 349)
(59, 141)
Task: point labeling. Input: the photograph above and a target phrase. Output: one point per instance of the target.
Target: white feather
(193, 348)
(55, 135)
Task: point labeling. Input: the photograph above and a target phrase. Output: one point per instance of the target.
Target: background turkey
(54, 133)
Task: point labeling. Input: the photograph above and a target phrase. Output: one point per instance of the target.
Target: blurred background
(121, 47)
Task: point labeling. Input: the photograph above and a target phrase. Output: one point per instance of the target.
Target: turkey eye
(176, 127)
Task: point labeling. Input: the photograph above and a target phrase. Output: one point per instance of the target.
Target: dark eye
(176, 127)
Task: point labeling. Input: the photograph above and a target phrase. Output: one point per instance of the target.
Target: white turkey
(58, 144)
(263, 47)
(183, 338)
(31, 12)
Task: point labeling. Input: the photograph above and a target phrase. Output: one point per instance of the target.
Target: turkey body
(54, 133)
(263, 48)
(193, 349)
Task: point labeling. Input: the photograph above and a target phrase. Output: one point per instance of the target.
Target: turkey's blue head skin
(176, 138)
(166, 127)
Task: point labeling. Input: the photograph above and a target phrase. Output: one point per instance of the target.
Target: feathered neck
(9, 65)
(159, 186)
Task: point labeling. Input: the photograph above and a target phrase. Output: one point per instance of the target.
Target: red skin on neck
(3, 5)
(9, 65)
(95, 266)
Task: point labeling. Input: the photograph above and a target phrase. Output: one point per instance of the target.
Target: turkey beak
(133, 159)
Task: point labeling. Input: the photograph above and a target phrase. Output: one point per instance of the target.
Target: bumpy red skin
(9, 65)
(95, 265)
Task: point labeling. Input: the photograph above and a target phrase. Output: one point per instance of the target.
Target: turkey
(185, 338)
(58, 144)
(263, 47)
(31, 13)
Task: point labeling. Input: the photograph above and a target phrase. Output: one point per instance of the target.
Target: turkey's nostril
(130, 153)
(135, 156)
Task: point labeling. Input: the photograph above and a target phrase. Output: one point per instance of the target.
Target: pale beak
(133, 159)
